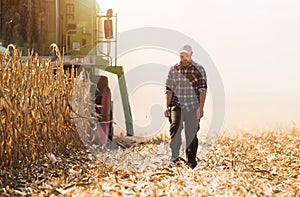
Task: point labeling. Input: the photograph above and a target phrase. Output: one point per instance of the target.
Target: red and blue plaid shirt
(185, 84)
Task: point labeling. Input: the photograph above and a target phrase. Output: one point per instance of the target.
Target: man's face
(185, 58)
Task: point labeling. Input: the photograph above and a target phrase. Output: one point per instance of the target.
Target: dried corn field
(43, 155)
(36, 116)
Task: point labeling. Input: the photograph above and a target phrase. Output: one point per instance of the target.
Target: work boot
(177, 161)
(192, 164)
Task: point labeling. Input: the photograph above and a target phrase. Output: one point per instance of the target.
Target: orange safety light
(108, 29)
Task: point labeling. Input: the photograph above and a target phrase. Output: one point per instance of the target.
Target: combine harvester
(78, 27)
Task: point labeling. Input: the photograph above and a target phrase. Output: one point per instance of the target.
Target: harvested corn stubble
(250, 165)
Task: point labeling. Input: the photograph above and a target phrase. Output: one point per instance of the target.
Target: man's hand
(200, 112)
(167, 113)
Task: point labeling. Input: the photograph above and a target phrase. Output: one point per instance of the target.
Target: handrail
(67, 34)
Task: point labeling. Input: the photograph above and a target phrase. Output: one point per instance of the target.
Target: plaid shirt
(185, 84)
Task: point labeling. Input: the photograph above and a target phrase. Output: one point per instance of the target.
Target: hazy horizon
(253, 44)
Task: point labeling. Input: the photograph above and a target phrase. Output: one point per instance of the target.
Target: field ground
(249, 165)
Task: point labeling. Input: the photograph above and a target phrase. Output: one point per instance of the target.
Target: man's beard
(185, 63)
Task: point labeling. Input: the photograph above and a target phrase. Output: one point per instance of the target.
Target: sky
(255, 46)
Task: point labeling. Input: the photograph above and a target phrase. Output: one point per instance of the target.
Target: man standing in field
(186, 88)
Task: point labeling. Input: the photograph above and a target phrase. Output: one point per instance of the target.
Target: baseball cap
(186, 49)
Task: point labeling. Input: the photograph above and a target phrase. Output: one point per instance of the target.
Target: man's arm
(168, 101)
(170, 84)
(202, 90)
(200, 112)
